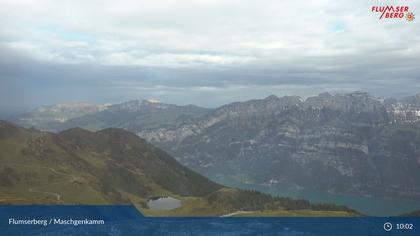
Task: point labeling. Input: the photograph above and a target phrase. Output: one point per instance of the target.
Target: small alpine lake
(163, 203)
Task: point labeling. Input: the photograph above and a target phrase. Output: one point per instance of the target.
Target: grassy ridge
(113, 166)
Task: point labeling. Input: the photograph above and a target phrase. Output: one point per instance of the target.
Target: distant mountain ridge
(47, 117)
(134, 115)
(350, 143)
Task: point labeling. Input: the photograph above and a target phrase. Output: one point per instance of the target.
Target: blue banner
(126, 220)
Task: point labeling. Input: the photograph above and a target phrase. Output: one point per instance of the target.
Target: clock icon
(387, 226)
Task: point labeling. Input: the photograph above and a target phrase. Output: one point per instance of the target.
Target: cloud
(226, 50)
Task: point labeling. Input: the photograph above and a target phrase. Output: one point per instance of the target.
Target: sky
(206, 53)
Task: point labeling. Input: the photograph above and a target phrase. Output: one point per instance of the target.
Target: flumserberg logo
(394, 12)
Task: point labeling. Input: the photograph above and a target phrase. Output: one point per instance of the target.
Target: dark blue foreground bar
(126, 220)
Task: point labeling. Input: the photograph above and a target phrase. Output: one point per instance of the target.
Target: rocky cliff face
(344, 143)
(338, 142)
(405, 111)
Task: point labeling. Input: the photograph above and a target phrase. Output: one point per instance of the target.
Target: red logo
(393, 12)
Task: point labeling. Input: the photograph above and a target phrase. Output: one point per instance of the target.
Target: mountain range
(114, 166)
(346, 143)
(134, 116)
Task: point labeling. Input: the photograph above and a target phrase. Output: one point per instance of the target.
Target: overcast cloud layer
(201, 52)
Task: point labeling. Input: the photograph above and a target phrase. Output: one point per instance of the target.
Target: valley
(351, 144)
(366, 205)
(113, 166)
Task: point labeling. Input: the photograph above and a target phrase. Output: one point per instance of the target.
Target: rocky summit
(346, 143)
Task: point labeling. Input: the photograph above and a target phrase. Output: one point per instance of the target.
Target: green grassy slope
(111, 166)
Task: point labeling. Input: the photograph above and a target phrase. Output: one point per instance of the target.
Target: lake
(368, 205)
(163, 203)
